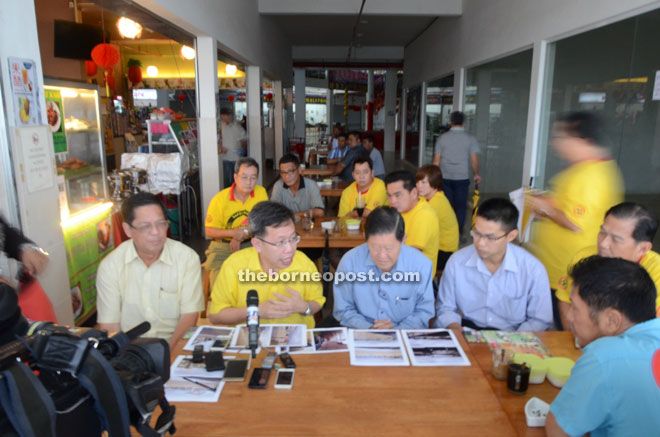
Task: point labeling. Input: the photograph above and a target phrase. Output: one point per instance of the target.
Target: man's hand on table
(383, 324)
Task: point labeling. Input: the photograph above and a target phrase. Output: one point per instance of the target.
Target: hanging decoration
(230, 97)
(109, 76)
(269, 97)
(181, 97)
(134, 71)
(91, 68)
(105, 55)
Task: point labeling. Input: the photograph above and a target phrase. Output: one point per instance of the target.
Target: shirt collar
(132, 255)
(300, 187)
(457, 128)
(231, 192)
(509, 262)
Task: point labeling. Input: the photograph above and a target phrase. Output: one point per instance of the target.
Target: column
(389, 139)
(459, 90)
(206, 74)
(288, 106)
(404, 127)
(538, 126)
(254, 120)
(370, 100)
(278, 108)
(328, 110)
(299, 83)
(422, 125)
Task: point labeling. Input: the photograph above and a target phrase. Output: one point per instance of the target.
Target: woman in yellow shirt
(429, 186)
(571, 214)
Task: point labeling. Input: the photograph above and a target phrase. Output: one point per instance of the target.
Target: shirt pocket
(512, 304)
(168, 304)
(402, 302)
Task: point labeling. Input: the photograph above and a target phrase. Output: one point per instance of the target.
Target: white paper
(376, 347)
(183, 366)
(178, 389)
(37, 167)
(434, 347)
(656, 86)
(206, 335)
(275, 335)
(324, 340)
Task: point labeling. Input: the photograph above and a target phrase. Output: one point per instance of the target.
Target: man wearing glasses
(287, 281)
(226, 218)
(493, 283)
(149, 277)
(299, 194)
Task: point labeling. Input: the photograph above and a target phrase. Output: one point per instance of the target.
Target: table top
(317, 170)
(331, 397)
(335, 189)
(315, 237)
(560, 343)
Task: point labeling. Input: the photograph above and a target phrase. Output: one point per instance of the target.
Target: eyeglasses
(490, 238)
(280, 244)
(248, 178)
(160, 225)
(290, 172)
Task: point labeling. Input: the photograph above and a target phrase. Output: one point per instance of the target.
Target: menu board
(25, 88)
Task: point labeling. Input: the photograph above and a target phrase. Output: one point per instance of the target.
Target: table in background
(315, 155)
(560, 344)
(335, 189)
(317, 170)
(315, 237)
(331, 397)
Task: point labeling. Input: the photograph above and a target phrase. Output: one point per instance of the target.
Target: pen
(198, 383)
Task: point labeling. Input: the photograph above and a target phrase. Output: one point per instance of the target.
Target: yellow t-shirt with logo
(447, 221)
(650, 261)
(374, 197)
(230, 292)
(227, 212)
(423, 230)
(583, 192)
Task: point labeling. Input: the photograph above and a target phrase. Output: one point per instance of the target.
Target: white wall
(237, 26)
(491, 29)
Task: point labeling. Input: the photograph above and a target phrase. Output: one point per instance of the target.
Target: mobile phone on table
(284, 379)
(198, 354)
(218, 345)
(235, 370)
(287, 360)
(259, 378)
(269, 360)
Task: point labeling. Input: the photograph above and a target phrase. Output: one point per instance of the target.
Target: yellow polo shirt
(227, 212)
(583, 192)
(129, 293)
(650, 261)
(374, 197)
(447, 221)
(423, 230)
(229, 292)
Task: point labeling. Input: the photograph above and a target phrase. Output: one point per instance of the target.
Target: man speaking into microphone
(287, 282)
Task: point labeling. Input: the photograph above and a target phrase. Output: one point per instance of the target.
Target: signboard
(37, 169)
(25, 88)
(55, 115)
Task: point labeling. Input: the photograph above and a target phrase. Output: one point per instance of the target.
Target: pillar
(299, 83)
(253, 97)
(390, 110)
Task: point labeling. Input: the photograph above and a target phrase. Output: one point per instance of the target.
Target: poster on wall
(25, 89)
(87, 242)
(55, 117)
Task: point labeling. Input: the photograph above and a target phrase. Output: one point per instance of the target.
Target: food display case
(74, 116)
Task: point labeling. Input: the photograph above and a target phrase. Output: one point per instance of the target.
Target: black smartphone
(218, 345)
(287, 360)
(198, 354)
(214, 361)
(259, 378)
(235, 370)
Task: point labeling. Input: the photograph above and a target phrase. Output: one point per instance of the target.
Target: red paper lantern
(181, 97)
(269, 96)
(91, 68)
(105, 55)
(230, 98)
(110, 79)
(134, 71)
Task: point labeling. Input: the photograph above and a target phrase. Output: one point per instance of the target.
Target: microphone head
(252, 298)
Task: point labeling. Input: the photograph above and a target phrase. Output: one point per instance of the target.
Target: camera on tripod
(59, 381)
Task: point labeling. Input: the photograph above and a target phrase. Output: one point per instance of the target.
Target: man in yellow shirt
(627, 232)
(422, 228)
(371, 190)
(429, 186)
(226, 219)
(288, 283)
(571, 214)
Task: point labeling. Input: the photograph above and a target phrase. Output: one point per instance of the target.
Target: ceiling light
(187, 52)
(129, 28)
(230, 69)
(152, 71)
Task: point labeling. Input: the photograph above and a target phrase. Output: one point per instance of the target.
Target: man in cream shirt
(149, 277)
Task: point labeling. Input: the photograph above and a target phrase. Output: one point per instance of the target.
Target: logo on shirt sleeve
(579, 210)
(563, 283)
(209, 218)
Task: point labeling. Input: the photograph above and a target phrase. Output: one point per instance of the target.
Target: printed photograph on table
(206, 335)
(434, 347)
(276, 335)
(376, 348)
(516, 342)
(184, 366)
(193, 389)
(324, 340)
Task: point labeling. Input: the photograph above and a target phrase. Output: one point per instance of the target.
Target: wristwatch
(308, 311)
(246, 232)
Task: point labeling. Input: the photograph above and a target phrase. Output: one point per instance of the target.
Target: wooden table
(335, 189)
(330, 397)
(318, 170)
(561, 344)
(314, 155)
(315, 237)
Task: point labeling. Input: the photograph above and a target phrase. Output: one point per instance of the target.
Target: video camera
(56, 381)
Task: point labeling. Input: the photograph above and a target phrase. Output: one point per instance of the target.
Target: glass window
(439, 101)
(496, 105)
(610, 71)
(413, 106)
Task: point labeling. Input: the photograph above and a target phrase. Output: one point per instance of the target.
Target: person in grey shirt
(299, 194)
(453, 151)
(376, 157)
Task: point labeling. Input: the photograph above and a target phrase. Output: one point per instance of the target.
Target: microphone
(110, 346)
(253, 321)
